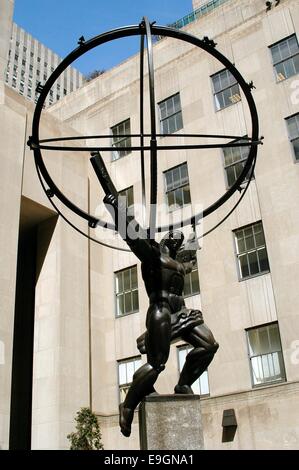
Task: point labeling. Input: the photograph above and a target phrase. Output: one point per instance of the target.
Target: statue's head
(172, 242)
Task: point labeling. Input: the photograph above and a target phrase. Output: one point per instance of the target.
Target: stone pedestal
(170, 422)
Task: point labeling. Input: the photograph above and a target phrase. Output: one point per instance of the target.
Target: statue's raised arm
(126, 225)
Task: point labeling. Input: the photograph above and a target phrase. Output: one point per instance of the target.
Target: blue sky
(59, 23)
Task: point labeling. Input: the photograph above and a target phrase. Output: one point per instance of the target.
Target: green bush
(88, 434)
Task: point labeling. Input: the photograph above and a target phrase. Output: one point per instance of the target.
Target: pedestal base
(170, 422)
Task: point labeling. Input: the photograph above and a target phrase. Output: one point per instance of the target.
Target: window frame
(283, 371)
(125, 190)
(296, 160)
(180, 186)
(190, 347)
(161, 120)
(122, 139)
(123, 292)
(224, 89)
(255, 249)
(274, 64)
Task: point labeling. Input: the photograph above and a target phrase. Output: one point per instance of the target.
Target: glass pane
(280, 72)
(293, 45)
(163, 110)
(168, 179)
(165, 127)
(127, 284)
(257, 371)
(195, 282)
(296, 63)
(127, 127)
(130, 371)
(228, 156)
(241, 243)
(266, 361)
(120, 305)
(275, 54)
(135, 300)
(176, 176)
(186, 195)
(128, 302)
(216, 83)
(133, 278)
(249, 240)
(230, 174)
(225, 79)
(171, 125)
(274, 338)
(253, 263)
(122, 375)
(284, 50)
(263, 260)
(179, 121)
(177, 103)
(119, 283)
(170, 107)
(178, 197)
(289, 68)
(244, 266)
(184, 173)
(170, 198)
(296, 148)
(227, 101)
(235, 94)
(253, 342)
(264, 345)
(292, 127)
(259, 236)
(204, 383)
(219, 101)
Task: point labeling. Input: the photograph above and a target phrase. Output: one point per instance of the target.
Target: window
(120, 139)
(38, 73)
(171, 119)
(285, 56)
(128, 193)
(177, 186)
(16, 57)
(126, 370)
(226, 89)
(265, 355)
(234, 162)
(251, 250)
(293, 129)
(126, 288)
(201, 386)
(191, 286)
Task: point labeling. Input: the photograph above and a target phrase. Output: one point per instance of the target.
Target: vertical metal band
(141, 125)
(153, 142)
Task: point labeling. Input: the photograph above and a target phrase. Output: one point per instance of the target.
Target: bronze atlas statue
(164, 264)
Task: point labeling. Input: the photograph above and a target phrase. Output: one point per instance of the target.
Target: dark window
(171, 119)
(265, 355)
(126, 289)
(234, 162)
(191, 286)
(126, 370)
(226, 89)
(285, 56)
(201, 385)
(251, 250)
(120, 139)
(293, 129)
(177, 186)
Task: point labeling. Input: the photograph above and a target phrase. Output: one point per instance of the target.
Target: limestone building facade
(89, 302)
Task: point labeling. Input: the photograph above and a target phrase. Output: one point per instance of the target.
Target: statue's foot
(183, 390)
(125, 419)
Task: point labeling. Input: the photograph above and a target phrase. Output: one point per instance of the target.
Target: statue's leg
(197, 361)
(157, 345)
